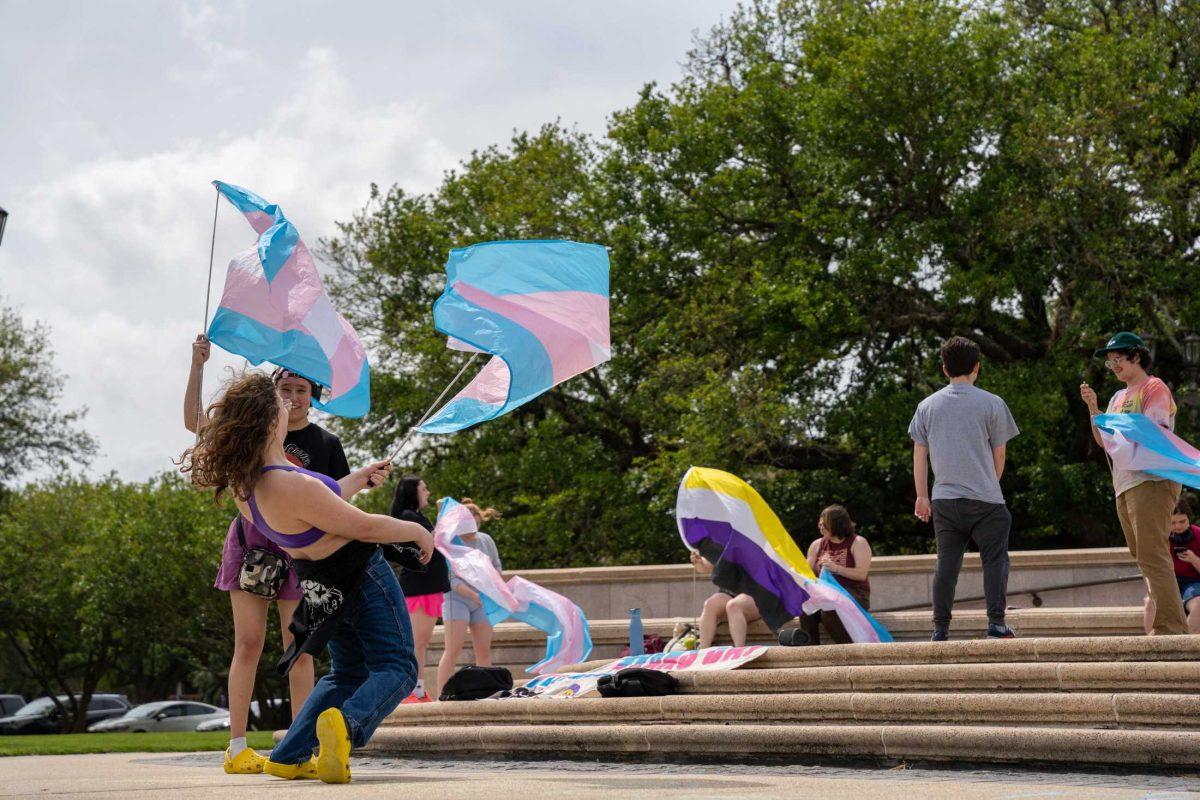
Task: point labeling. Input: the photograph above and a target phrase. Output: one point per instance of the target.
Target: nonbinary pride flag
(540, 308)
(274, 308)
(725, 519)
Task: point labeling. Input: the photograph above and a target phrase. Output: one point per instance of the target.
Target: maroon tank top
(840, 554)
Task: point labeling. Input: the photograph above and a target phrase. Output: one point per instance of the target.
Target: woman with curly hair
(352, 601)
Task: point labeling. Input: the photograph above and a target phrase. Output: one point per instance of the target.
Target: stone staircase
(1117, 700)
(516, 646)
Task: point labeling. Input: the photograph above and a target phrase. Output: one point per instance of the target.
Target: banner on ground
(712, 659)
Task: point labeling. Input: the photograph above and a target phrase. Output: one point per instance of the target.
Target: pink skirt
(428, 604)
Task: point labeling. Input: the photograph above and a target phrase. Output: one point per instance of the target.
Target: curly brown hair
(228, 454)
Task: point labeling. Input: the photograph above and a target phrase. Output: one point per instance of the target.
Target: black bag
(263, 572)
(635, 682)
(476, 683)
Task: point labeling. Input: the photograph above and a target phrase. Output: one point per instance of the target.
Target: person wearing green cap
(1144, 501)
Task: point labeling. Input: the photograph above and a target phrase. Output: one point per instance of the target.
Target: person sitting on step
(848, 556)
(1184, 541)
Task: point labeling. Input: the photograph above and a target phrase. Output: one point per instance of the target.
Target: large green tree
(34, 431)
(831, 189)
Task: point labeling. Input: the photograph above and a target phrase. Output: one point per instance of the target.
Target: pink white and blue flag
(540, 308)
(274, 308)
(568, 639)
(1136, 442)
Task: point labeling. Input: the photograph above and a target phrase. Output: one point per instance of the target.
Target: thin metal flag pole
(212, 250)
(429, 411)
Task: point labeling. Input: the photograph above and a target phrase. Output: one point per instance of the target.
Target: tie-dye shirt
(1153, 398)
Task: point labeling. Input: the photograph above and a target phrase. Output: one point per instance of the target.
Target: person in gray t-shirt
(963, 430)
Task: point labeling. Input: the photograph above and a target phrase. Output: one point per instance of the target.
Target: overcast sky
(115, 116)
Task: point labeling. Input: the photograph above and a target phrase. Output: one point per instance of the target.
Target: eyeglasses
(1115, 360)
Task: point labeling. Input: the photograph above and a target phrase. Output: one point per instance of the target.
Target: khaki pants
(1145, 514)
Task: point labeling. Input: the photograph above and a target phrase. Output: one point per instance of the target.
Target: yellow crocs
(307, 769)
(247, 762)
(333, 759)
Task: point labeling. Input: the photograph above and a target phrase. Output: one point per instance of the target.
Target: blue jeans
(372, 670)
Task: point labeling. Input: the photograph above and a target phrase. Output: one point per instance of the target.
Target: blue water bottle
(636, 646)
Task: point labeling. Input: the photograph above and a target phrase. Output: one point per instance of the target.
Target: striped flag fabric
(568, 639)
(540, 308)
(726, 521)
(274, 308)
(1136, 442)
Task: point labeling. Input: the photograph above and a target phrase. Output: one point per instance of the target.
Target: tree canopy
(832, 189)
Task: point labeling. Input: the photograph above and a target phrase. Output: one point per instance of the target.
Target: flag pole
(429, 411)
(212, 250)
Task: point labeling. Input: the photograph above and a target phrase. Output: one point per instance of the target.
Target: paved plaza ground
(154, 777)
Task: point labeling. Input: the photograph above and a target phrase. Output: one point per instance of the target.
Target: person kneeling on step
(1184, 541)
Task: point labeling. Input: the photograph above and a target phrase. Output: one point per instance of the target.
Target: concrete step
(515, 643)
(967, 651)
(1171, 677)
(1041, 708)
(797, 742)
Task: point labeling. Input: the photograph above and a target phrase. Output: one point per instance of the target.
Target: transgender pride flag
(1136, 442)
(539, 307)
(274, 308)
(568, 640)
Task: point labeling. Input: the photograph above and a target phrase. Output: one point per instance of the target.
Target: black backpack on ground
(476, 683)
(635, 682)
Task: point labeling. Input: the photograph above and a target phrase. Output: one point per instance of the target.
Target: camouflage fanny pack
(263, 572)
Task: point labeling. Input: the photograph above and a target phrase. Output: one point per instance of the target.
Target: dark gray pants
(956, 522)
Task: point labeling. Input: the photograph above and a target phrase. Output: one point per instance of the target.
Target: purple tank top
(292, 540)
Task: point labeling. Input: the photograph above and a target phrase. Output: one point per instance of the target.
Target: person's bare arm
(922, 510)
(812, 556)
(701, 564)
(311, 503)
(1088, 395)
(998, 454)
(367, 477)
(192, 414)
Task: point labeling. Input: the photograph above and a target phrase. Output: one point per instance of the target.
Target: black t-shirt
(315, 448)
(434, 580)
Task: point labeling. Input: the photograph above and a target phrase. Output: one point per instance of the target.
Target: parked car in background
(217, 724)
(42, 716)
(165, 715)
(10, 703)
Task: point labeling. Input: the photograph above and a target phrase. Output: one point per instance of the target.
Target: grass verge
(73, 743)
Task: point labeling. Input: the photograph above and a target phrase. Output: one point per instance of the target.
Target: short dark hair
(282, 373)
(1184, 506)
(959, 356)
(1143, 355)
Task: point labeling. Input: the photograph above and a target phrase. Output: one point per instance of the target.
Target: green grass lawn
(71, 743)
